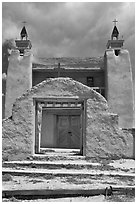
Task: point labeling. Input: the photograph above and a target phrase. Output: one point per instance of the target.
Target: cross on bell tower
(115, 32)
(115, 43)
(115, 21)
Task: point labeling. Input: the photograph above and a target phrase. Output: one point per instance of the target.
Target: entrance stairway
(60, 172)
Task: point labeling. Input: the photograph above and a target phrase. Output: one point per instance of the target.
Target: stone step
(72, 179)
(65, 172)
(58, 154)
(66, 164)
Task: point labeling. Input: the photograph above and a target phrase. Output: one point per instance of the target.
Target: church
(69, 103)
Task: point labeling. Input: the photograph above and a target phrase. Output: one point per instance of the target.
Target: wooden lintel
(63, 111)
(62, 108)
(61, 99)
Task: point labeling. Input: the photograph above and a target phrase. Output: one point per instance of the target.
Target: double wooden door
(68, 131)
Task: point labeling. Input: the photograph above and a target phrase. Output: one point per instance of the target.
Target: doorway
(61, 128)
(59, 125)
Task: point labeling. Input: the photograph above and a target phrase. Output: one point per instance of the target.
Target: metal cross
(115, 21)
(24, 22)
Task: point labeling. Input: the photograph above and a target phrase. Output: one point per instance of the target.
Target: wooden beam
(58, 99)
(63, 111)
(36, 130)
(84, 126)
(38, 121)
(52, 192)
(64, 192)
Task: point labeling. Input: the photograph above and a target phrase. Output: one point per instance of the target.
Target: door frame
(42, 103)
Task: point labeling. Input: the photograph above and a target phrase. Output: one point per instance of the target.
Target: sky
(70, 29)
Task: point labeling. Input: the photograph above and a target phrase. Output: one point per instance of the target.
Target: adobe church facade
(70, 103)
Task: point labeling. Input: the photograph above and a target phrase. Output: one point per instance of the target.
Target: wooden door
(47, 130)
(75, 132)
(68, 132)
(63, 128)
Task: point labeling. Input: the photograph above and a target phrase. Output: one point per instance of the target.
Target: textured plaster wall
(120, 86)
(19, 78)
(103, 137)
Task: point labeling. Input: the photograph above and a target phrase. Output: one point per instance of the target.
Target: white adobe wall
(119, 86)
(19, 78)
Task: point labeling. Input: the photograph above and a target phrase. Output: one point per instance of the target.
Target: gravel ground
(63, 182)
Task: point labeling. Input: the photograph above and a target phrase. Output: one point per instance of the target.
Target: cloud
(10, 30)
(70, 28)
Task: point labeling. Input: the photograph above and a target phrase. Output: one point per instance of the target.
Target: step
(125, 166)
(53, 164)
(72, 154)
(65, 172)
(55, 156)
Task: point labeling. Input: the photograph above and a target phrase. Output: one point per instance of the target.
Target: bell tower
(19, 75)
(118, 79)
(115, 43)
(23, 44)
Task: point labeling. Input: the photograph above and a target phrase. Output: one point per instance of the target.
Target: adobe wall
(19, 78)
(103, 137)
(119, 86)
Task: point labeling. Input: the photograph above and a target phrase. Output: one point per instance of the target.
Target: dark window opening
(90, 81)
(117, 52)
